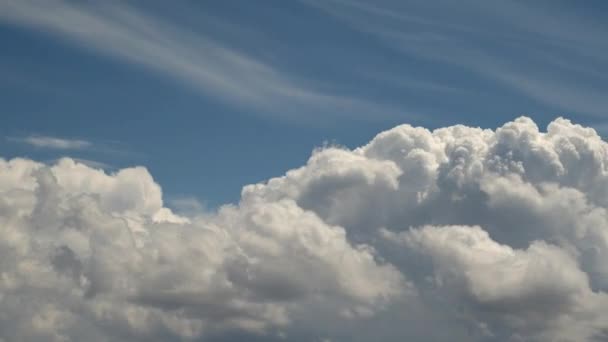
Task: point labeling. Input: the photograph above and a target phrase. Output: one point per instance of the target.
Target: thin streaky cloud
(188, 205)
(519, 27)
(233, 77)
(48, 142)
(93, 163)
(55, 143)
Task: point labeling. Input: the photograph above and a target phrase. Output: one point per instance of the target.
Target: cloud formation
(177, 50)
(459, 233)
(453, 37)
(42, 141)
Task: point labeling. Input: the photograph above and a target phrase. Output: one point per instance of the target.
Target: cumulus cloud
(87, 255)
(459, 233)
(537, 292)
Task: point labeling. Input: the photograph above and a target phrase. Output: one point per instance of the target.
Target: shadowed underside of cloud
(453, 234)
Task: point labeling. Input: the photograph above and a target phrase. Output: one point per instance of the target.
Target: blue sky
(211, 96)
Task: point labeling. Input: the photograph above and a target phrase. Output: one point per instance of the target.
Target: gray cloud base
(453, 234)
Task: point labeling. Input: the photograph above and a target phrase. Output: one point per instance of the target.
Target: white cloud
(42, 141)
(92, 163)
(539, 292)
(187, 205)
(554, 70)
(454, 234)
(104, 258)
(127, 33)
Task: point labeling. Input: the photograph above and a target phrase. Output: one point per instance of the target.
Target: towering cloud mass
(453, 234)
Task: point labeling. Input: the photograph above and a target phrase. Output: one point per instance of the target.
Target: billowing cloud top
(453, 234)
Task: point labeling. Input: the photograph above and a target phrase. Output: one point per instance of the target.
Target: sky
(303, 170)
(219, 87)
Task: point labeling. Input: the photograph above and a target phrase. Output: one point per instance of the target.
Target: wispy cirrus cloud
(85, 148)
(229, 75)
(55, 143)
(549, 54)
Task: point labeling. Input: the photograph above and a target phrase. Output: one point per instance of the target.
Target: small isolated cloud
(456, 234)
(42, 141)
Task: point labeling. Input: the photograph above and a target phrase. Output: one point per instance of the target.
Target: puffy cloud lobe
(454, 234)
(529, 191)
(92, 256)
(539, 292)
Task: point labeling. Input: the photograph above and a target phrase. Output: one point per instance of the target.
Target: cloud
(63, 146)
(105, 259)
(488, 41)
(92, 163)
(538, 292)
(236, 78)
(459, 233)
(42, 141)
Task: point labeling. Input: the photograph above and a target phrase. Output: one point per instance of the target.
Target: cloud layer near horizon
(453, 234)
